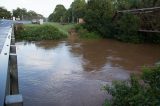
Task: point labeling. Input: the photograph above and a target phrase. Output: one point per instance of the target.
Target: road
(4, 28)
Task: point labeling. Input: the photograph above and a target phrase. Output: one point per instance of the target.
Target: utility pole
(22, 16)
(72, 14)
(68, 20)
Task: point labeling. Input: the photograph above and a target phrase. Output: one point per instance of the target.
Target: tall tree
(4, 13)
(26, 15)
(78, 8)
(19, 13)
(57, 15)
(99, 15)
(67, 17)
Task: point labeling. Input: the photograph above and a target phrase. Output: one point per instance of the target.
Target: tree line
(4, 13)
(98, 17)
(80, 8)
(21, 13)
(61, 14)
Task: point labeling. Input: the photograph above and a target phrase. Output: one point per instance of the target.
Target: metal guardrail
(9, 90)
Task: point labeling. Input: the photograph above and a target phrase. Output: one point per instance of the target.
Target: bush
(127, 28)
(85, 34)
(145, 92)
(151, 37)
(39, 32)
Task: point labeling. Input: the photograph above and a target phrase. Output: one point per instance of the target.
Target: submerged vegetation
(38, 32)
(136, 92)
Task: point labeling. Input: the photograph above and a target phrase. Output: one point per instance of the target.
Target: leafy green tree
(78, 8)
(150, 3)
(127, 27)
(122, 4)
(19, 13)
(67, 17)
(4, 13)
(33, 15)
(26, 15)
(99, 15)
(57, 15)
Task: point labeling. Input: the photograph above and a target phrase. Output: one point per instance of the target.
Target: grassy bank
(83, 33)
(38, 32)
(63, 28)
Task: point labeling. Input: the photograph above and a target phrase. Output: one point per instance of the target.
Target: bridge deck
(4, 29)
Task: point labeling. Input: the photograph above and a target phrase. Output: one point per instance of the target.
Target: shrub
(151, 37)
(127, 28)
(136, 92)
(85, 34)
(39, 32)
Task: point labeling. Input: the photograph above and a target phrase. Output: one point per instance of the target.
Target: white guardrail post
(9, 89)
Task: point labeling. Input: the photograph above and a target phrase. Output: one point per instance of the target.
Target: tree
(23, 14)
(98, 16)
(19, 13)
(67, 17)
(33, 15)
(57, 15)
(4, 13)
(150, 3)
(78, 8)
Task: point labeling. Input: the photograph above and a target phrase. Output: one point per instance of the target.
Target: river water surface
(72, 73)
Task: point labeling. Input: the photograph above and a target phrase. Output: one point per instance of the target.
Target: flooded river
(72, 73)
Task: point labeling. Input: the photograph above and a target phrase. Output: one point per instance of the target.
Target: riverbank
(136, 92)
(52, 31)
(65, 28)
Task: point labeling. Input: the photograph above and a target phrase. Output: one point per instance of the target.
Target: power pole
(72, 14)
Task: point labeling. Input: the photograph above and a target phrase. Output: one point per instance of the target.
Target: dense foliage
(38, 32)
(142, 92)
(57, 15)
(126, 29)
(23, 14)
(4, 13)
(99, 19)
(85, 34)
(76, 10)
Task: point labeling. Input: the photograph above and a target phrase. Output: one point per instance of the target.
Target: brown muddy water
(72, 73)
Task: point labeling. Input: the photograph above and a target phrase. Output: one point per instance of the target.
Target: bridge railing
(9, 89)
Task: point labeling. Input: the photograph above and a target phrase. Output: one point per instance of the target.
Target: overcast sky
(44, 7)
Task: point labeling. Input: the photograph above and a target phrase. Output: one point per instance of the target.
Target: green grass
(85, 34)
(63, 28)
(47, 31)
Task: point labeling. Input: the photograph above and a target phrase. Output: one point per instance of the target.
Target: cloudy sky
(44, 7)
